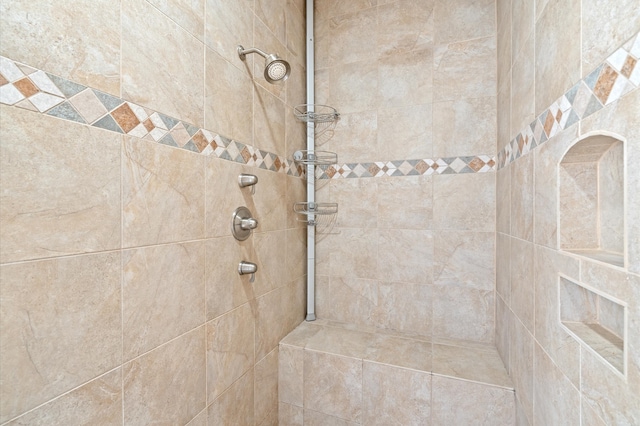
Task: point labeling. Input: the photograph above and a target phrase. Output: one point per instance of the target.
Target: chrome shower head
(276, 69)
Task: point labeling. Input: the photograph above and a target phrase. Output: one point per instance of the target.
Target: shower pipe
(311, 230)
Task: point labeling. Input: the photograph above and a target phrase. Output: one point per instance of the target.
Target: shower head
(276, 69)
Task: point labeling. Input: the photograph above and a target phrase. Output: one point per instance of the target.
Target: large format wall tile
(167, 385)
(61, 327)
(464, 202)
(522, 288)
(405, 132)
(475, 322)
(394, 192)
(162, 294)
(177, 57)
(188, 14)
(266, 387)
(84, 39)
(405, 26)
(463, 20)
(464, 259)
(397, 262)
(352, 35)
(161, 194)
(60, 187)
(235, 406)
(227, 25)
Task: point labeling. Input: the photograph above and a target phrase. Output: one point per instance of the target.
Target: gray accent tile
(225, 156)
(168, 140)
(467, 160)
(593, 106)
(107, 122)
(466, 170)
(448, 171)
(573, 118)
(413, 162)
(66, 111)
(68, 88)
(397, 163)
(169, 121)
(109, 102)
(592, 78)
(413, 172)
(191, 147)
(191, 129)
(571, 93)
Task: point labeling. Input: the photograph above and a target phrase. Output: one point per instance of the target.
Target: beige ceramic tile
(296, 33)
(503, 267)
(75, 50)
(521, 190)
(178, 57)
(330, 8)
(405, 132)
(162, 194)
(155, 310)
(406, 80)
(464, 202)
(522, 288)
(290, 375)
(49, 310)
(521, 365)
(225, 288)
(347, 299)
(296, 256)
(523, 88)
(461, 127)
(296, 95)
(333, 385)
(503, 200)
(578, 201)
(235, 406)
(341, 341)
(224, 195)
(349, 132)
(228, 107)
(522, 28)
(395, 395)
(300, 335)
(355, 198)
(483, 405)
(51, 203)
(357, 254)
(589, 416)
(99, 401)
(502, 330)
(352, 35)
(268, 121)
(463, 20)
(401, 352)
(315, 418)
(296, 191)
(404, 307)
(322, 41)
(394, 192)
(268, 207)
(464, 259)
(174, 372)
(266, 387)
(230, 349)
(270, 254)
(482, 366)
(272, 14)
(475, 322)
(605, 26)
(354, 86)
(465, 69)
(504, 42)
(189, 14)
(555, 399)
(290, 415)
(227, 25)
(406, 255)
(611, 198)
(200, 419)
(557, 57)
(504, 114)
(405, 26)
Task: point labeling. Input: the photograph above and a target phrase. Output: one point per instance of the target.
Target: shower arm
(242, 52)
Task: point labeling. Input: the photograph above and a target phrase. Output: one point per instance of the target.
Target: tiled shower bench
(338, 374)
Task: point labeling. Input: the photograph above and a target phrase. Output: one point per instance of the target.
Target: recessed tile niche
(591, 190)
(595, 320)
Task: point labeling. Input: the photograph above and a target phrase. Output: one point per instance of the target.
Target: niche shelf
(591, 196)
(595, 320)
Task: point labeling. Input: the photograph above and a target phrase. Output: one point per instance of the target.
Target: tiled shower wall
(547, 49)
(412, 79)
(119, 298)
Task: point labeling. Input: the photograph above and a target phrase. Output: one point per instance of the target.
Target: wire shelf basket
(315, 158)
(317, 214)
(324, 118)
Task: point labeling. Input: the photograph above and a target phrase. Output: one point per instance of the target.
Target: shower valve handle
(249, 223)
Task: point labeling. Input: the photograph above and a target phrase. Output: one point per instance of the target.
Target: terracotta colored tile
(3, 80)
(422, 167)
(125, 117)
(148, 124)
(277, 163)
(476, 164)
(548, 123)
(200, 141)
(605, 83)
(559, 116)
(628, 66)
(26, 87)
(247, 155)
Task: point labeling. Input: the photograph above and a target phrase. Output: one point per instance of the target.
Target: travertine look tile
(235, 405)
(333, 385)
(296, 95)
(523, 86)
(604, 28)
(161, 193)
(522, 28)
(522, 198)
(66, 207)
(465, 69)
(557, 56)
(502, 330)
(357, 254)
(266, 387)
(578, 206)
(461, 127)
(503, 266)
(522, 288)
(223, 195)
(79, 53)
(99, 401)
(504, 113)
(230, 349)
(464, 259)
(228, 24)
(188, 14)
(401, 352)
(295, 191)
(504, 42)
(49, 309)
(290, 375)
(352, 36)
(394, 192)
(463, 20)
(482, 405)
(351, 130)
(521, 365)
(296, 256)
(228, 96)
(315, 418)
(589, 416)
(178, 56)
(395, 395)
(405, 26)
(354, 86)
(155, 308)
(268, 120)
(464, 202)
(267, 203)
(503, 200)
(174, 373)
(347, 299)
(483, 366)
(405, 132)
(290, 415)
(404, 307)
(200, 419)
(405, 80)
(296, 35)
(341, 341)
(272, 14)
(555, 399)
(406, 255)
(270, 255)
(475, 322)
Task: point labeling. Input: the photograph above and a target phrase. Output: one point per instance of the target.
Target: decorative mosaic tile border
(35, 90)
(616, 77)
